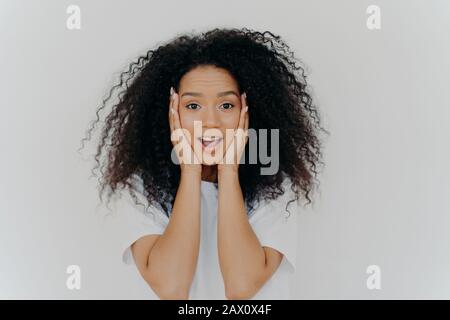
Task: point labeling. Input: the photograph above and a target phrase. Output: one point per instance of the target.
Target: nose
(211, 118)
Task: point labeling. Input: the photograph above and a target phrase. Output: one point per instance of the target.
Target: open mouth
(209, 142)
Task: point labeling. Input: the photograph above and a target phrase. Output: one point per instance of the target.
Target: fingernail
(246, 109)
(245, 95)
(171, 110)
(171, 90)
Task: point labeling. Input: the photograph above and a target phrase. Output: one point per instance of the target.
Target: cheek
(187, 122)
(231, 121)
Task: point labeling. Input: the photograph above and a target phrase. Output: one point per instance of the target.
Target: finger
(171, 114)
(243, 112)
(176, 115)
(242, 133)
(176, 119)
(247, 120)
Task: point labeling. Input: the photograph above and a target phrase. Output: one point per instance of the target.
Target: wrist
(192, 171)
(227, 170)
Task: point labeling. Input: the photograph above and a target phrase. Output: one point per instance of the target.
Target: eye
(193, 108)
(227, 106)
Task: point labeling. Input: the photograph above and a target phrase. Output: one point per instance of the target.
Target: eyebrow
(220, 94)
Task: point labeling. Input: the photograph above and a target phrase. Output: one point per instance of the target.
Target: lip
(211, 145)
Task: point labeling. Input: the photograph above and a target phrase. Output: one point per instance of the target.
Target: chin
(209, 165)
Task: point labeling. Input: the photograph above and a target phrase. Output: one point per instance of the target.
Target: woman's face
(209, 95)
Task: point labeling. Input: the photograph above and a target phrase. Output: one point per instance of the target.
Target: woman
(217, 228)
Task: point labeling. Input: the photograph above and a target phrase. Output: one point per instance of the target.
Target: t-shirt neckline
(209, 182)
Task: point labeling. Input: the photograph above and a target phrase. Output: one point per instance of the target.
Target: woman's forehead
(207, 81)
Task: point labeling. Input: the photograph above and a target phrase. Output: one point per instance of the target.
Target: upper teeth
(209, 138)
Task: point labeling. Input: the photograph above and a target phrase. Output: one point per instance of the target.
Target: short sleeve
(135, 222)
(277, 228)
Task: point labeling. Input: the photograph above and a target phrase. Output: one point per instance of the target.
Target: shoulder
(133, 207)
(285, 204)
(275, 223)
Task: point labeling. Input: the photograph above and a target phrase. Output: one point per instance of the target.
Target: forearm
(173, 259)
(240, 253)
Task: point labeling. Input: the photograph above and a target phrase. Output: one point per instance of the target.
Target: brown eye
(228, 106)
(193, 108)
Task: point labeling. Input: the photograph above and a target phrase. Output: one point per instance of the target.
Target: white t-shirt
(270, 222)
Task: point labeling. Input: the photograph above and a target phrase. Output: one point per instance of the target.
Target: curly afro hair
(139, 134)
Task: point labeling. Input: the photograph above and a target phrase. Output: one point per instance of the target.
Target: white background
(383, 94)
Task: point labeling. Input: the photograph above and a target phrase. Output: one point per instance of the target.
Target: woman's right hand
(181, 138)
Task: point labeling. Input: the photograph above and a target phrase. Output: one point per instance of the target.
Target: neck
(209, 173)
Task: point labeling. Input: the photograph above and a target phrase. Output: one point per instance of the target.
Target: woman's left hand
(234, 148)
